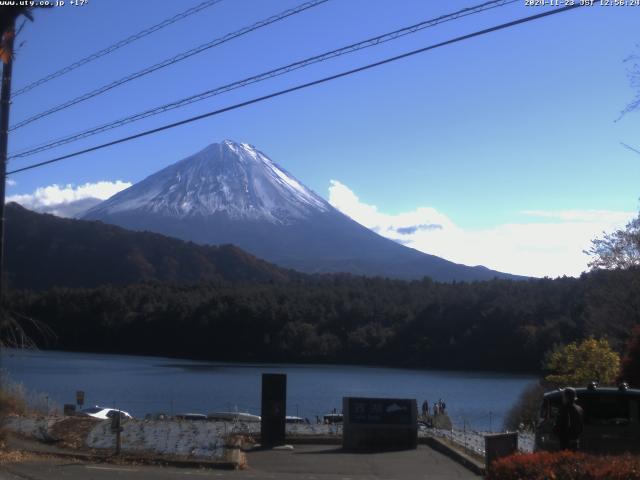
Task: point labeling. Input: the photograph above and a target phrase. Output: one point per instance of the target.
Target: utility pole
(5, 105)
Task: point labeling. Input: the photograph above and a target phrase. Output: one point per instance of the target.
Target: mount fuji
(231, 193)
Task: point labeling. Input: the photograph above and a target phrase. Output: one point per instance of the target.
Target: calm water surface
(142, 385)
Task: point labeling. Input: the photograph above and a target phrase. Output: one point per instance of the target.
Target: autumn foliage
(580, 363)
(565, 465)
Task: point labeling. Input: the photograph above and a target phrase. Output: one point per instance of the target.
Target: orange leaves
(565, 465)
(6, 46)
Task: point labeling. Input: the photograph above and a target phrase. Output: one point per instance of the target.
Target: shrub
(524, 413)
(15, 399)
(10, 404)
(565, 465)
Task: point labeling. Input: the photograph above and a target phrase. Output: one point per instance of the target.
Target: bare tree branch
(633, 74)
(18, 331)
(620, 249)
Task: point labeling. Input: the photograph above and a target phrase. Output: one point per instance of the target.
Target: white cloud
(65, 200)
(11, 183)
(423, 218)
(606, 216)
(549, 248)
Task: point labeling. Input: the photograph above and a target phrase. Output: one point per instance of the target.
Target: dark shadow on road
(340, 450)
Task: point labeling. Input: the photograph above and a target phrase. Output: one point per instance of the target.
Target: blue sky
(508, 139)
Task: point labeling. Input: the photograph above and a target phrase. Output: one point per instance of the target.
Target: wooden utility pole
(5, 106)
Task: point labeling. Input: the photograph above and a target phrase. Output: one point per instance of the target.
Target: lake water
(143, 385)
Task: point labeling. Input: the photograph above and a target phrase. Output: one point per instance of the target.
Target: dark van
(611, 423)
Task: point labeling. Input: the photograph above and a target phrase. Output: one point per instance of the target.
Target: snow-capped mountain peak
(229, 178)
(232, 193)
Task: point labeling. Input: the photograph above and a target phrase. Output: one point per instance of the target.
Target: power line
(117, 45)
(264, 76)
(630, 148)
(301, 86)
(170, 61)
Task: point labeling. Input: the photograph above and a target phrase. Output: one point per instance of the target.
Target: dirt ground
(8, 457)
(72, 431)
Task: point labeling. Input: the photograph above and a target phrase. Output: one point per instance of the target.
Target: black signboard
(274, 407)
(381, 411)
(379, 424)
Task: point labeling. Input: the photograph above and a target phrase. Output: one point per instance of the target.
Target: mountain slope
(43, 251)
(233, 193)
(225, 178)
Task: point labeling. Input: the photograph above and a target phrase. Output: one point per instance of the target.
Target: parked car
(191, 416)
(103, 413)
(234, 417)
(611, 419)
(156, 416)
(292, 419)
(333, 418)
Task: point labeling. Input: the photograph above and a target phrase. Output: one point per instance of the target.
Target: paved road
(319, 462)
(306, 462)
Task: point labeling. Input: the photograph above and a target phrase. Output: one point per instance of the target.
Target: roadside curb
(454, 454)
(309, 439)
(166, 462)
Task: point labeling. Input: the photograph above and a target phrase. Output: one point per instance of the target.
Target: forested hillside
(43, 251)
(495, 325)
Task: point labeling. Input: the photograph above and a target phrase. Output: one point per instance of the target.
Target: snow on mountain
(234, 178)
(231, 193)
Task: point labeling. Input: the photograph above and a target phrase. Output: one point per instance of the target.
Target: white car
(234, 417)
(104, 413)
(292, 419)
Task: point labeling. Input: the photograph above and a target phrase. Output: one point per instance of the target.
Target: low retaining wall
(213, 441)
(176, 437)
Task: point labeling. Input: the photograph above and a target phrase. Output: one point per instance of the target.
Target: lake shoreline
(144, 385)
(274, 364)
